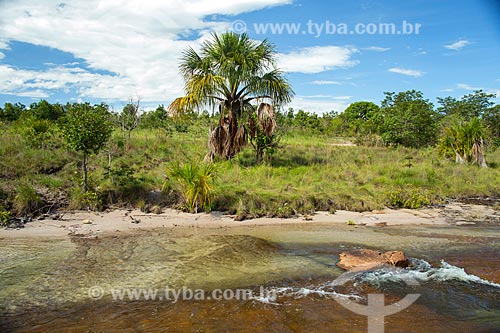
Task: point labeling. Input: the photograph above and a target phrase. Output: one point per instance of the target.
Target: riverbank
(93, 224)
(49, 282)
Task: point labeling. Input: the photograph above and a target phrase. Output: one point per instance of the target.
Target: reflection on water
(44, 284)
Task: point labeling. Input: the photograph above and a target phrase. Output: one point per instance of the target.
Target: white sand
(121, 220)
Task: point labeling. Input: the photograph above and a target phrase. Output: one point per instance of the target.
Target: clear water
(44, 284)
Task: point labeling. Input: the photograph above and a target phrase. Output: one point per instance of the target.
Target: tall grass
(310, 172)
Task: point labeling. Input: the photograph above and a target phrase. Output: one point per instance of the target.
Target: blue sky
(115, 50)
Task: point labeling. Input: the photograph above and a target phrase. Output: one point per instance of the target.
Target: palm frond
(266, 119)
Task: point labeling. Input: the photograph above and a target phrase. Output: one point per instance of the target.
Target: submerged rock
(366, 259)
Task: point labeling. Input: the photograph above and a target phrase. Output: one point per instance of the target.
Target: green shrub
(4, 216)
(409, 197)
(90, 200)
(196, 184)
(27, 200)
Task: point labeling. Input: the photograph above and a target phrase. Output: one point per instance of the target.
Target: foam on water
(421, 271)
(273, 294)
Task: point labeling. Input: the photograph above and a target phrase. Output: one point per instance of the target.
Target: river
(73, 284)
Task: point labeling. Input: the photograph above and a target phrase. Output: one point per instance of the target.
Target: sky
(333, 52)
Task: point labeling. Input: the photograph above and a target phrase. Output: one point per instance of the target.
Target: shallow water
(45, 284)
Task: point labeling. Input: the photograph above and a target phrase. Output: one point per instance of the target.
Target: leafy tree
(448, 106)
(230, 72)
(470, 106)
(491, 119)
(360, 118)
(307, 121)
(464, 140)
(407, 119)
(12, 112)
(43, 110)
(158, 118)
(86, 129)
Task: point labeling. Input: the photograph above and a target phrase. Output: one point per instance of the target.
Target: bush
(4, 216)
(409, 197)
(196, 184)
(27, 200)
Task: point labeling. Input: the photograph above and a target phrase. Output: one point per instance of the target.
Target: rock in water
(363, 259)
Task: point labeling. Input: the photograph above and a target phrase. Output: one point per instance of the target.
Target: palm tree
(464, 140)
(231, 72)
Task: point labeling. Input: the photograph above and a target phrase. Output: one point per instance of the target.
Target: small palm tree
(196, 184)
(464, 141)
(232, 72)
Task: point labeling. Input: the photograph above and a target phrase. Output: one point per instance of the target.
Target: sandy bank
(92, 224)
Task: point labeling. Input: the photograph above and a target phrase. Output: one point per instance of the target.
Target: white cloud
(31, 83)
(140, 41)
(33, 94)
(377, 48)
(421, 51)
(2, 55)
(408, 72)
(458, 45)
(325, 82)
(467, 87)
(317, 59)
(326, 97)
(318, 106)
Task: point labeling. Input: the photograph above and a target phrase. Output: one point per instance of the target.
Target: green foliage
(196, 184)
(4, 216)
(470, 106)
(463, 140)
(308, 122)
(12, 112)
(122, 175)
(43, 110)
(86, 129)
(409, 196)
(27, 200)
(264, 145)
(157, 119)
(360, 119)
(37, 132)
(91, 201)
(408, 119)
(231, 71)
(491, 120)
(312, 172)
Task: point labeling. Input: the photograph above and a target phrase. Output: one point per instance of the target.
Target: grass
(310, 172)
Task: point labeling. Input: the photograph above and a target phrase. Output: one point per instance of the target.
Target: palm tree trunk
(478, 154)
(232, 150)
